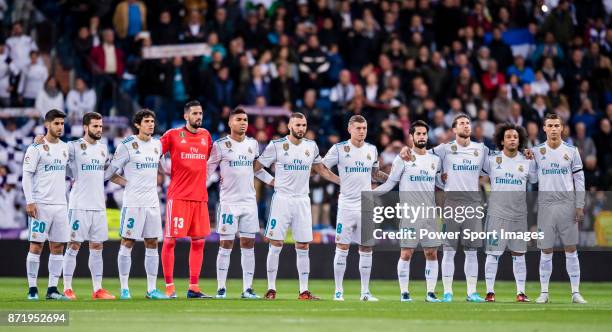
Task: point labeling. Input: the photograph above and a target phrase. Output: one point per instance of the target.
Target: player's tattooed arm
(326, 173)
(378, 175)
(118, 179)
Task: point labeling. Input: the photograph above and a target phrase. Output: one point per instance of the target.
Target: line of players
(136, 166)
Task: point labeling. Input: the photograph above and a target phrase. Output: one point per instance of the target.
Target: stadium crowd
(394, 62)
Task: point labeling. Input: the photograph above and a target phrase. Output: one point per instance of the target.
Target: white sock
(470, 267)
(247, 260)
(124, 261)
(223, 262)
(339, 268)
(365, 268)
(572, 265)
(272, 265)
(431, 275)
(32, 265)
(545, 270)
(491, 272)
(448, 270)
(403, 274)
(96, 267)
(69, 266)
(55, 269)
(303, 267)
(151, 264)
(519, 267)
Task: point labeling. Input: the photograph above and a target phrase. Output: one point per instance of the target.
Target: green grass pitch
(288, 314)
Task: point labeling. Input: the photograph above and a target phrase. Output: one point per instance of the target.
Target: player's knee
(570, 249)
(226, 244)
(342, 246)
(301, 245)
(431, 254)
(406, 254)
(278, 243)
(36, 248)
(547, 251)
(56, 248)
(150, 243)
(128, 243)
(365, 249)
(514, 253)
(77, 246)
(247, 243)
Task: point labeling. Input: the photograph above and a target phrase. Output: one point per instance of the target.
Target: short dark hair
(500, 131)
(91, 116)
(190, 104)
(357, 118)
(553, 116)
(140, 115)
(297, 115)
(419, 123)
(54, 114)
(460, 116)
(237, 110)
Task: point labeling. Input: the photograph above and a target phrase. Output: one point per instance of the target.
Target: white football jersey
(419, 174)
(235, 160)
(48, 163)
(139, 161)
(462, 165)
(87, 163)
(355, 171)
(509, 177)
(292, 164)
(556, 169)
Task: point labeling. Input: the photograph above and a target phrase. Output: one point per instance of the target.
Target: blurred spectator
(80, 100)
(194, 32)
(257, 87)
(585, 144)
(492, 80)
(107, 58)
(165, 32)
(313, 65)
(33, 78)
(49, 98)
(19, 46)
(603, 144)
(130, 18)
(559, 22)
(524, 73)
(549, 49)
(283, 87)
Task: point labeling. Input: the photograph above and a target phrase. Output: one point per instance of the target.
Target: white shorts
(88, 225)
(288, 211)
(140, 223)
(237, 218)
(348, 226)
(52, 224)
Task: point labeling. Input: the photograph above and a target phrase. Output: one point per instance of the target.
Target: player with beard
(462, 161)
(417, 186)
(294, 158)
(187, 198)
(509, 171)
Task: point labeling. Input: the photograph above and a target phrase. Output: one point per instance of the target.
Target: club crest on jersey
(542, 150)
(566, 157)
(135, 146)
(433, 167)
(412, 158)
(286, 146)
(65, 154)
(347, 148)
(156, 151)
(476, 153)
(369, 157)
(203, 141)
(521, 168)
(46, 148)
(307, 153)
(73, 235)
(498, 160)
(270, 233)
(454, 149)
(250, 150)
(223, 229)
(128, 233)
(103, 154)
(83, 146)
(182, 134)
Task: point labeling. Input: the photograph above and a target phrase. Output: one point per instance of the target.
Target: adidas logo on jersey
(183, 141)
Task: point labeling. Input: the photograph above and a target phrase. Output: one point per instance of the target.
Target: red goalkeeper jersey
(189, 154)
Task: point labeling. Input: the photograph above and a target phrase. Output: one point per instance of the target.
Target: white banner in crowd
(169, 51)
